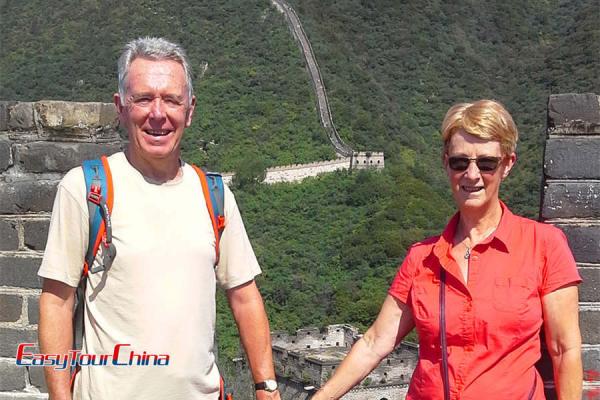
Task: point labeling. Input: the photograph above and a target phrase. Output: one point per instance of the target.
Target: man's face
(156, 109)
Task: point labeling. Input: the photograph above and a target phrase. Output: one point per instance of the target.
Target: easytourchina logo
(122, 356)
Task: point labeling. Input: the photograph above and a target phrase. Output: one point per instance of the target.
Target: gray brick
(589, 290)
(21, 117)
(589, 321)
(584, 241)
(591, 364)
(574, 114)
(5, 155)
(573, 158)
(59, 157)
(571, 200)
(10, 339)
(19, 271)
(27, 196)
(10, 307)
(9, 235)
(12, 376)
(75, 118)
(4, 106)
(36, 377)
(36, 233)
(33, 310)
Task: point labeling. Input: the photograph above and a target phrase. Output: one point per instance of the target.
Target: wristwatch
(269, 385)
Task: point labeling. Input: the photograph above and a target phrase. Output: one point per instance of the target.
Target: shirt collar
(502, 233)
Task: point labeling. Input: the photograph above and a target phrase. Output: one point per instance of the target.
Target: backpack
(100, 197)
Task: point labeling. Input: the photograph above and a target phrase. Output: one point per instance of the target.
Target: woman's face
(475, 187)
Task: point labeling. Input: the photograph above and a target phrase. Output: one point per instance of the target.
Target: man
(158, 296)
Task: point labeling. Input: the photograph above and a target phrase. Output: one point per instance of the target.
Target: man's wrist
(268, 385)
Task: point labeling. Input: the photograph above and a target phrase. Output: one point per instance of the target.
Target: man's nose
(157, 109)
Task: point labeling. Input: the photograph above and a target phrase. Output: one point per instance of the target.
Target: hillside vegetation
(329, 246)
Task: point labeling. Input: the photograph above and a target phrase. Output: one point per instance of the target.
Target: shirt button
(475, 258)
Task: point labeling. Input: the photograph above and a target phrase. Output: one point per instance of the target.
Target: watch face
(270, 385)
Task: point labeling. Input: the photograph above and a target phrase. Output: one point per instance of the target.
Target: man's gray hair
(152, 48)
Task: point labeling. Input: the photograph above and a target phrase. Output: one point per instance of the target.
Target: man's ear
(117, 101)
(190, 112)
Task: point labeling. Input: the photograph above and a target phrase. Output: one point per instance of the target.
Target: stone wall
(571, 201)
(39, 142)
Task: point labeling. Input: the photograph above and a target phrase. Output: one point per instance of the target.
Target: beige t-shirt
(159, 294)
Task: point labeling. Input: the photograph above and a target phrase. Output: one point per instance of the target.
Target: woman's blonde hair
(486, 119)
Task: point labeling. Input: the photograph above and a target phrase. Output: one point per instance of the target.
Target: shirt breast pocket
(511, 294)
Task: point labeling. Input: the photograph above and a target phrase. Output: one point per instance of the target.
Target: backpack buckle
(95, 194)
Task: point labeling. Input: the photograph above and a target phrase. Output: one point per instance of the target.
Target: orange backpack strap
(214, 196)
(99, 196)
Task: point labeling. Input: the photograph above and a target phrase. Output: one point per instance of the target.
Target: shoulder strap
(99, 195)
(214, 196)
(99, 189)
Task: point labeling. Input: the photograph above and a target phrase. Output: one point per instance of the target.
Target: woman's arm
(394, 321)
(561, 322)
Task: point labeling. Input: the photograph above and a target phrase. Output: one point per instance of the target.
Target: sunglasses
(484, 163)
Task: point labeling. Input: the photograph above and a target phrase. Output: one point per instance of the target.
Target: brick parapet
(571, 201)
(39, 142)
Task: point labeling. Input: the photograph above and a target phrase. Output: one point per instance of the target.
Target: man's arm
(561, 323)
(394, 321)
(249, 313)
(56, 333)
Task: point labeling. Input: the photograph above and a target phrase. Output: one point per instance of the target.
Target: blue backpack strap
(99, 195)
(217, 197)
(214, 197)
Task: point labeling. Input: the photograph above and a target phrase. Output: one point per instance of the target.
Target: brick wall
(571, 200)
(39, 142)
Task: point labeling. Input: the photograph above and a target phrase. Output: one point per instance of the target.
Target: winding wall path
(293, 21)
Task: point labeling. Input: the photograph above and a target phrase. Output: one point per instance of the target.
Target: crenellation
(311, 355)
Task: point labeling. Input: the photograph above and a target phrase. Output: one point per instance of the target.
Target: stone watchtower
(571, 201)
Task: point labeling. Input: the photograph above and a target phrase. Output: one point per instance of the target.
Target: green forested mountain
(329, 246)
(255, 98)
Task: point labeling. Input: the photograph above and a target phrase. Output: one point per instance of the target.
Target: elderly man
(158, 296)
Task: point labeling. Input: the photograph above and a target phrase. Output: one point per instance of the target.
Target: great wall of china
(40, 141)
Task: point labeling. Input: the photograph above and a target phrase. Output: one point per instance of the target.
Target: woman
(482, 289)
